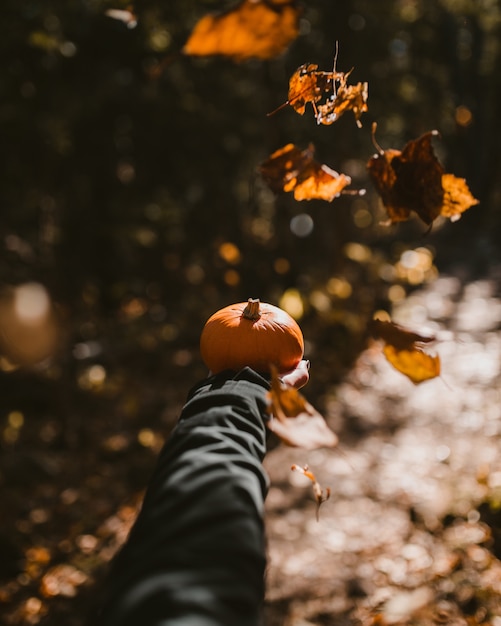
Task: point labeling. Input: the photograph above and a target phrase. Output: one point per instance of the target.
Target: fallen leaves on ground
(403, 349)
(292, 169)
(294, 420)
(413, 179)
(260, 29)
(62, 579)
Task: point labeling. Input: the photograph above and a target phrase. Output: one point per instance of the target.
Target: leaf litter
(410, 533)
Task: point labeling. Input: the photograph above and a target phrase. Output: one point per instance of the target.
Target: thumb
(299, 376)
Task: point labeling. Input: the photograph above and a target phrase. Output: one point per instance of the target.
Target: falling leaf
(320, 496)
(260, 29)
(294, 420)
(414, 180)
(404, 351)
(346, 98)
(457, 197)
(308, 84)
(396, 335)
(416, 364)
(293, 169)
(290, 402)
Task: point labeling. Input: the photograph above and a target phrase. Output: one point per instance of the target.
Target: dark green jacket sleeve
(196, 554)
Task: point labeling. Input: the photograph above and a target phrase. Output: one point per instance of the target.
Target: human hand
(292, 418)
(299, 376)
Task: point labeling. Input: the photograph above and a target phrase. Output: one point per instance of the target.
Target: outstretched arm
(196, 554)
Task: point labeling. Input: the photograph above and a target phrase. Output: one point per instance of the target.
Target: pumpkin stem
(251, 311)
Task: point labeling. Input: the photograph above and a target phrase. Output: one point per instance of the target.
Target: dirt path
(411, 533)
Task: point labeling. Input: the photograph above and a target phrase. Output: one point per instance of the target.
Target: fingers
(299, 376)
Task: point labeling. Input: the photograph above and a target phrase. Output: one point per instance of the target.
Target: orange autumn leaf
(328, 92)
(413, 179)
(287, 399)
(403, 349)
(293, 169)
(457, 197)
(260, 29)
(416, 364)
(282, 168)
(320, 495)
(347, 98)
(308, 84)
(294, 420)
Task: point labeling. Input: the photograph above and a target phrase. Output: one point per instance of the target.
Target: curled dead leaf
(292, 169)
(328, 92)
(320, 495)
(403, 349)
(413, 180)
(309, 84)
(346, 98)
(294, 420)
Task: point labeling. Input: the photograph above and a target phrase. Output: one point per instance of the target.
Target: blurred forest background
(131, 210)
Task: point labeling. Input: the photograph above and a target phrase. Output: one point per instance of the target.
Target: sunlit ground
(408, 535)
(403, 538)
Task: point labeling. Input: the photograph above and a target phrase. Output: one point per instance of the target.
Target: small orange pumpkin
(253, 334)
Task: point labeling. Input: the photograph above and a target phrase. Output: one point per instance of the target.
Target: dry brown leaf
(309, 84)
(294, 420)
(414, 180)
(404, 351)
(346, 98)
(320, 495)
(416, 364)
(293, 169)
(260, 29)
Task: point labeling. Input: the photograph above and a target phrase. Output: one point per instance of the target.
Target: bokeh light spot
(281, 266)
(230, 253)
(339, 287)
(232, 278)
(292, 302)
(31, 302)
(302, 225)
(464, 117)
(358, 252)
